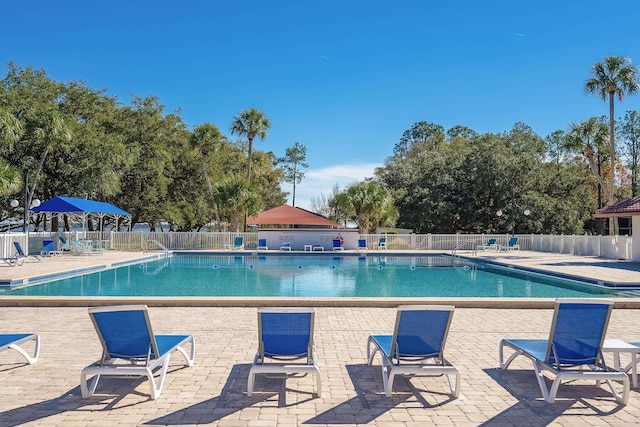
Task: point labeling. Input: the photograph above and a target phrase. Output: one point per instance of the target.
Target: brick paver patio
(213, 390)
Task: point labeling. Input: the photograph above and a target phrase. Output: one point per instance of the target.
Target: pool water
(313, 276)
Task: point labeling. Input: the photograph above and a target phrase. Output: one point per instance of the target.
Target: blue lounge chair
(49, 248)
(362, 244)
(285, 246)
(419, 337)
(337, 245)
(20, 254)
(13, 341)
(491, 244)
(126, 335)
(575, 341)
(65, 245)
(238, 243)
(285, 336)
(512, 245)
(382, 244)
(262, 245)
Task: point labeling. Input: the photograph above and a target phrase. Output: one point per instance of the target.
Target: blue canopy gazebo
(80, 208)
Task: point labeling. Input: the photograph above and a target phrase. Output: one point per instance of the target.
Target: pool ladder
(158, 244)
(463, 244)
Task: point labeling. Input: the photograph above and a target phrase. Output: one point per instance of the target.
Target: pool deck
(212, 392)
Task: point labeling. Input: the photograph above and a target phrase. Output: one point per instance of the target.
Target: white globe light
(35, 203)
(14, 203)
(499, 212)
(527, 212)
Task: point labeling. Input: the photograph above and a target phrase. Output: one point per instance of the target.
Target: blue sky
(344, 78)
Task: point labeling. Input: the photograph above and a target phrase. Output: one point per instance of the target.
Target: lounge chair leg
(371, 354)
(250, 381)
(36, 352)
(188, 358)
(88, 391)
(318, 384)
(505, 365)
(620, 398)
(454, 386)
(157, 389)
(387, 378)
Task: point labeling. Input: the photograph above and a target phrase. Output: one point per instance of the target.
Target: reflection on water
(308, 276)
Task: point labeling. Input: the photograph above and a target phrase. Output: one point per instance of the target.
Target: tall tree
(237, 196)
(251, 123)
(207, 139)
(630, 131)
(614, 77)
(294, 161)
(589, 139)
(370, 205)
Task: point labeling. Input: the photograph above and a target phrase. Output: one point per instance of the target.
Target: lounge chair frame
(139, 364)
(491, 244)
(562, 367)
(14, 341)
(262, 245)
(238, 244)
(394, 362)
(21, 256)
(285, 246)
(285, 363)
(512, 245)
(382, 244)
(49, 249)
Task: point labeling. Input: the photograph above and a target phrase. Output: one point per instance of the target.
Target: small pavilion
(303, 229)
(629, 208)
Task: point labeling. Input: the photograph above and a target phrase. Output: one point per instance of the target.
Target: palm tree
(10, 179)
(51, 130)
(236, 195)
(250, 123)
(11, 129)
(590, 139)
(615, 76)
(370, 205)
(206, 139)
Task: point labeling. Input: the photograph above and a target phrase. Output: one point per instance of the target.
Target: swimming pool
(314, 276)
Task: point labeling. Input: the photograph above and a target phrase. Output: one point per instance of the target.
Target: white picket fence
(613, 247)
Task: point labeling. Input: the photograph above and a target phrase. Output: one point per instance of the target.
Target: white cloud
(321, 181)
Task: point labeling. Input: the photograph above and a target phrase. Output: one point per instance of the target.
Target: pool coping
(475, 302)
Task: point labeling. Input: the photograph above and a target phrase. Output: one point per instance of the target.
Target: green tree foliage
(614, 77)
(459, 184)
(251, 123)
(237, 196)
(294, 164)
(369, 205)
(629, 131)
(589, 140)
(68, 139)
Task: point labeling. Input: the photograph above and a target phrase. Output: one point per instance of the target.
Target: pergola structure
(81, 208)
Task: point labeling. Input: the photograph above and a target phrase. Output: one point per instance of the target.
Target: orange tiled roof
(288, 215)
(625, 208)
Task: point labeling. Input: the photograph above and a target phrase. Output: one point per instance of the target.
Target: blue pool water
(307, 276)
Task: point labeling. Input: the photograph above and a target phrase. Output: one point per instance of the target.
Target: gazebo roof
(60, 204)
(625, 208)
(288, 215)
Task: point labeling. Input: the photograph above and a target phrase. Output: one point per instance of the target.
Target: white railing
(613, 247)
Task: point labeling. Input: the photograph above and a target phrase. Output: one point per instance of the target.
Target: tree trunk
(613, 229)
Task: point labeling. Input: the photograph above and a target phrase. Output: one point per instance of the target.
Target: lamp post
(526, 212)
(25, 225)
